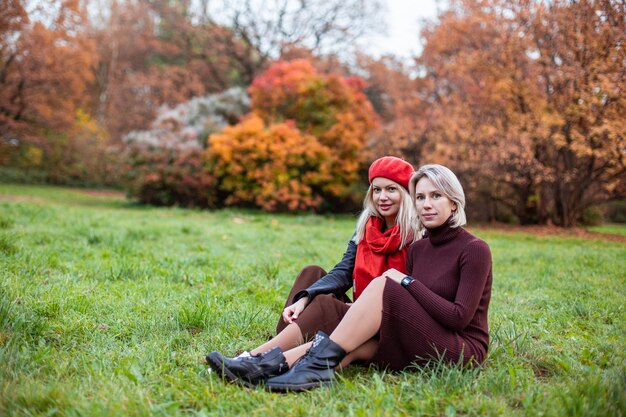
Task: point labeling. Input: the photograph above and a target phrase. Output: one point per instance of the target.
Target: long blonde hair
(405, 219)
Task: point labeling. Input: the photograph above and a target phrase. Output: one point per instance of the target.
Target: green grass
(614, 229)
(107, 308)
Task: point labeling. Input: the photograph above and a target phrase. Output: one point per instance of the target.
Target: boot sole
(225, 374)
(298, 388)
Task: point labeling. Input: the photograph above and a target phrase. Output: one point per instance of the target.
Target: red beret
(392, 168)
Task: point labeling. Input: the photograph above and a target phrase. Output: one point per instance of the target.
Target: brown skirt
(323, 313)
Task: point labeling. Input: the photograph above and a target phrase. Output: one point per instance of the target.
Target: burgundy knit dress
(443, 313)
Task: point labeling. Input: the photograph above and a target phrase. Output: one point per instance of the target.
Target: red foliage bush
(169, 176)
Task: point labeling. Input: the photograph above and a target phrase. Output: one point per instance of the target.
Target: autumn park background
(162, 161)
(523, 99)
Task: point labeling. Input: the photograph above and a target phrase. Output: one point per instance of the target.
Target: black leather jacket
(337, 281)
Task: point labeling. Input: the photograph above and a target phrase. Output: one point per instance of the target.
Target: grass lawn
(107, 308)
(616, 229)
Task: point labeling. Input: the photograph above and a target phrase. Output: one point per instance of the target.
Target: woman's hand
(291, 313)
(394, 274)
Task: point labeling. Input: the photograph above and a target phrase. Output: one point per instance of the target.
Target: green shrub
(592, 216)
(616, 211)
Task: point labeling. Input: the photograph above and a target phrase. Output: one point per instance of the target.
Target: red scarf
(376, 253)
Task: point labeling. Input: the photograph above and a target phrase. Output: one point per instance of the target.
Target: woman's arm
(475, 265)
(337, 281)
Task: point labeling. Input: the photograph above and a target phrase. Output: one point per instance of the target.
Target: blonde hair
(405, 218)
(447, 183)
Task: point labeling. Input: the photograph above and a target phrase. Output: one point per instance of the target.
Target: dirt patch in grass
(103, 193)
(21, 198)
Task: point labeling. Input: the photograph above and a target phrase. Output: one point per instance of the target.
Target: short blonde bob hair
(448, 184)
(405, 218)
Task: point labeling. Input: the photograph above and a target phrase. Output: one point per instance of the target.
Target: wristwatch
(406, 281)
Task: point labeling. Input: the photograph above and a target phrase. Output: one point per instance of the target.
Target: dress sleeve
(475, 266)
(337, 281)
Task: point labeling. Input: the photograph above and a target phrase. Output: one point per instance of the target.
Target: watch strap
(406, 281)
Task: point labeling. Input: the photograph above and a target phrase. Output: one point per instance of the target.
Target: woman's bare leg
(363, 353)
(296, 353)
(362, 321)
(289, 338)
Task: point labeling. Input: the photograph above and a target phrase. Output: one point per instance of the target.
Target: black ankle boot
(316, 368)
(250, 370)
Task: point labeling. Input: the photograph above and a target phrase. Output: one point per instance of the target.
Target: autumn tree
(151, 54)
(581, 69)
(397, 99)
(261, 32)
(46, 67)
(525, 99)
(13, 19)
(45, 75)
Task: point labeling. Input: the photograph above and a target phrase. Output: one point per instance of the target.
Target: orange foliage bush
(274, 167)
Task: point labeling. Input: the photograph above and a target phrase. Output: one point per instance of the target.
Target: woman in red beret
(318, 300)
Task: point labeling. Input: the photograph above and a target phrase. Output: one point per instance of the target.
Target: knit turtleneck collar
(443, 234)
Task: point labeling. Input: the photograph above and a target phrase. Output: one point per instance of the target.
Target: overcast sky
(403, 26)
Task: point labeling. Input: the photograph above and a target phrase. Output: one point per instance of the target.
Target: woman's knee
(378, 283)
(312, 270)
(309, 275)
(376, 286)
